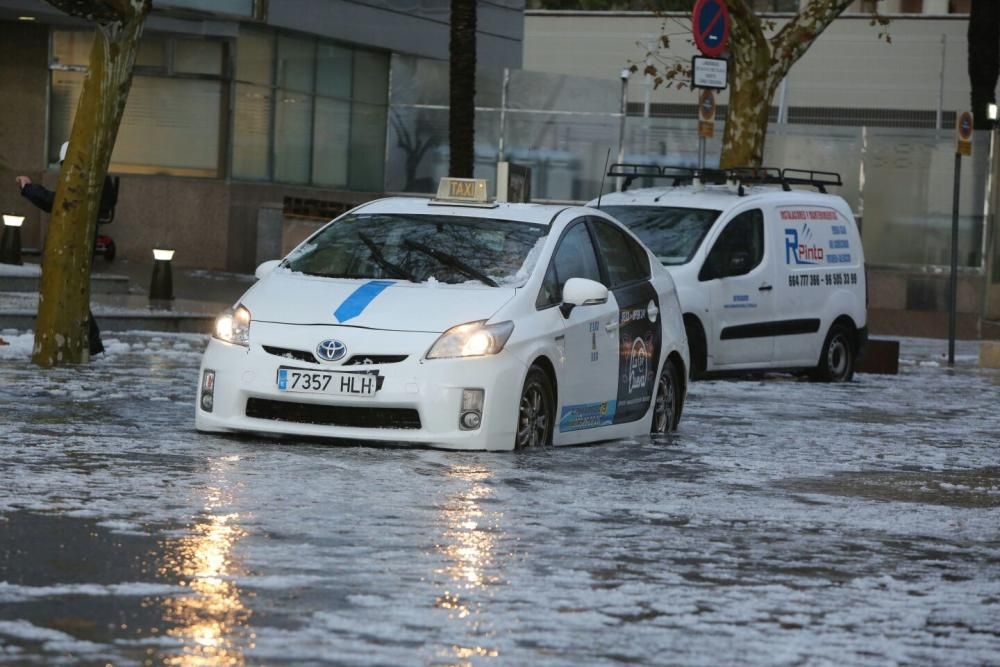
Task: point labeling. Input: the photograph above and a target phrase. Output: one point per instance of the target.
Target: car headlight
(233, 326)
(475, 339)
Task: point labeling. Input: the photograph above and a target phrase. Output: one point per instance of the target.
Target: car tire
(109, 252)
(535, 411)
(667, 403)
(836, 362)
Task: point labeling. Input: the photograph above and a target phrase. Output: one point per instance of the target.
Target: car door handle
(765, 288)
(611, 326)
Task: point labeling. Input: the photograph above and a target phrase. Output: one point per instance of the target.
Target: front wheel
(667, 404)
(536, 411)
(836, 363)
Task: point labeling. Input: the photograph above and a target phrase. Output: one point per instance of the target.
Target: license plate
(327, 382)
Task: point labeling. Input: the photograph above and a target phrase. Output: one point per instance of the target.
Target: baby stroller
(104, 245)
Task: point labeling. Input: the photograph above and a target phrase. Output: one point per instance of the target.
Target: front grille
(333, 415)
(301, 355)
(366, 359)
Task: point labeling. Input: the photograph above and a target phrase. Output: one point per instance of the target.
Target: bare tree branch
(796, 36)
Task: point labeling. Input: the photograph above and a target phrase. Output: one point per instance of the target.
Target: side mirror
(266, 268)
(582, 292)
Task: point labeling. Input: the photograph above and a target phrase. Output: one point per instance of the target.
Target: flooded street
(786, 523)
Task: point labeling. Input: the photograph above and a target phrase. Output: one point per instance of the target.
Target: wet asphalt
(786, 523)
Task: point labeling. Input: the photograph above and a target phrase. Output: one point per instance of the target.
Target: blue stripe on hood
(359, 299)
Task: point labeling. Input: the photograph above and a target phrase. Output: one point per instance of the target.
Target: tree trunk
(750, 95)
(757, 67)
(984, 58)
(61, 335)
(462, 92)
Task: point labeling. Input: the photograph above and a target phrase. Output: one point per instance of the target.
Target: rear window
(672, 233)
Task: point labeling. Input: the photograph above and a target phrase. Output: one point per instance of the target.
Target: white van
(768, 277)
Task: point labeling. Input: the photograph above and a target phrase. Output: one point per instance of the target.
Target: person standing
(44, 198)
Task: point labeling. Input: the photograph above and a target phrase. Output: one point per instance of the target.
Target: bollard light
(10, 245)
(161, 287)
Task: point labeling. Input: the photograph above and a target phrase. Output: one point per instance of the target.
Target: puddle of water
(976, 488)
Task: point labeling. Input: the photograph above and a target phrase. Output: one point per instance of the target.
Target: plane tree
(61, 335)
(761, 54)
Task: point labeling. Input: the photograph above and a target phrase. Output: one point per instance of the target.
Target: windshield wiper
(394, 269)
(452, 261)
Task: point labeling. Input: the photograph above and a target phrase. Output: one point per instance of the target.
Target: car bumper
(419, 401)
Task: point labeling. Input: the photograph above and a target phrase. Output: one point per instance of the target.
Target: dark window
(619, 256)
(574, 258)
(673, 234)
(739, 248)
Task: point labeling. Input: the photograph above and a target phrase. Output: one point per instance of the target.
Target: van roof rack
(679, 175)
(786, 178)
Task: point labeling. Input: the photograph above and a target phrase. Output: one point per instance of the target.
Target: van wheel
(667, 404)
(536, 411)
(836, 363)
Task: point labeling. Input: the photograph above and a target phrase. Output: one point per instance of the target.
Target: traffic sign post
(963, 146)
(706, 123)
(710, 28)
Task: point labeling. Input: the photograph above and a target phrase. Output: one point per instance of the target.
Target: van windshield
(672, 233)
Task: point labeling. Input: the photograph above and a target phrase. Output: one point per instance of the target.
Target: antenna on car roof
(603, 175)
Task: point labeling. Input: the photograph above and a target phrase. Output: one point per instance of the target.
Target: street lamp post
(161, 287)
(10, 245)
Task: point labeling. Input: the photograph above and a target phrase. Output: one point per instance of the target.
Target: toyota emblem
(331, 350)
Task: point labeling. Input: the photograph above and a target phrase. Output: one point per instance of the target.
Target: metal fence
(897, 180)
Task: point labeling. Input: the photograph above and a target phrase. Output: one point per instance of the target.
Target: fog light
(208, 381)
(471, 416)
(471, 420)
(472, 400)
(207, 390)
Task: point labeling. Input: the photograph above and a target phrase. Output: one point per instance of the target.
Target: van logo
(801, 251)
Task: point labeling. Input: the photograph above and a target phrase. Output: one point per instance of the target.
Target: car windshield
(422, 248)
(672, 233)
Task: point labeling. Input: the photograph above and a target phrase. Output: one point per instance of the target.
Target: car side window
(739, 248)
(574, 258)
(619, 256)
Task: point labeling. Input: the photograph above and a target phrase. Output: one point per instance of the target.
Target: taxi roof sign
(462, 190)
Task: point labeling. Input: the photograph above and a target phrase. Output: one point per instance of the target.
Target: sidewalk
(120, 297)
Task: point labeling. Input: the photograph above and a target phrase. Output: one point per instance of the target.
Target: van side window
(739, 248)
(619, 256)
(574, 258)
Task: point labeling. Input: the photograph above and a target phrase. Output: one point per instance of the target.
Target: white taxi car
(457, 323)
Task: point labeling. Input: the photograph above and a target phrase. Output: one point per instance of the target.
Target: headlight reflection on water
(211, 621)
(469, 544)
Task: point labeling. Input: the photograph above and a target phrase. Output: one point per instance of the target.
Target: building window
(177, 85)
(309, 111)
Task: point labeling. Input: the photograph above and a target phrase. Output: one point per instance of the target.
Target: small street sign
(963, 133)
(706, 114)
(710, 25)
(709, 72)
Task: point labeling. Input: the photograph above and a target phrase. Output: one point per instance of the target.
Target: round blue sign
(710, 25)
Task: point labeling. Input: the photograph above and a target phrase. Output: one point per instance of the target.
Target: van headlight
(233, 326)
(475, 339)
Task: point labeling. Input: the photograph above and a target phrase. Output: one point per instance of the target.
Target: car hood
(294, 298)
